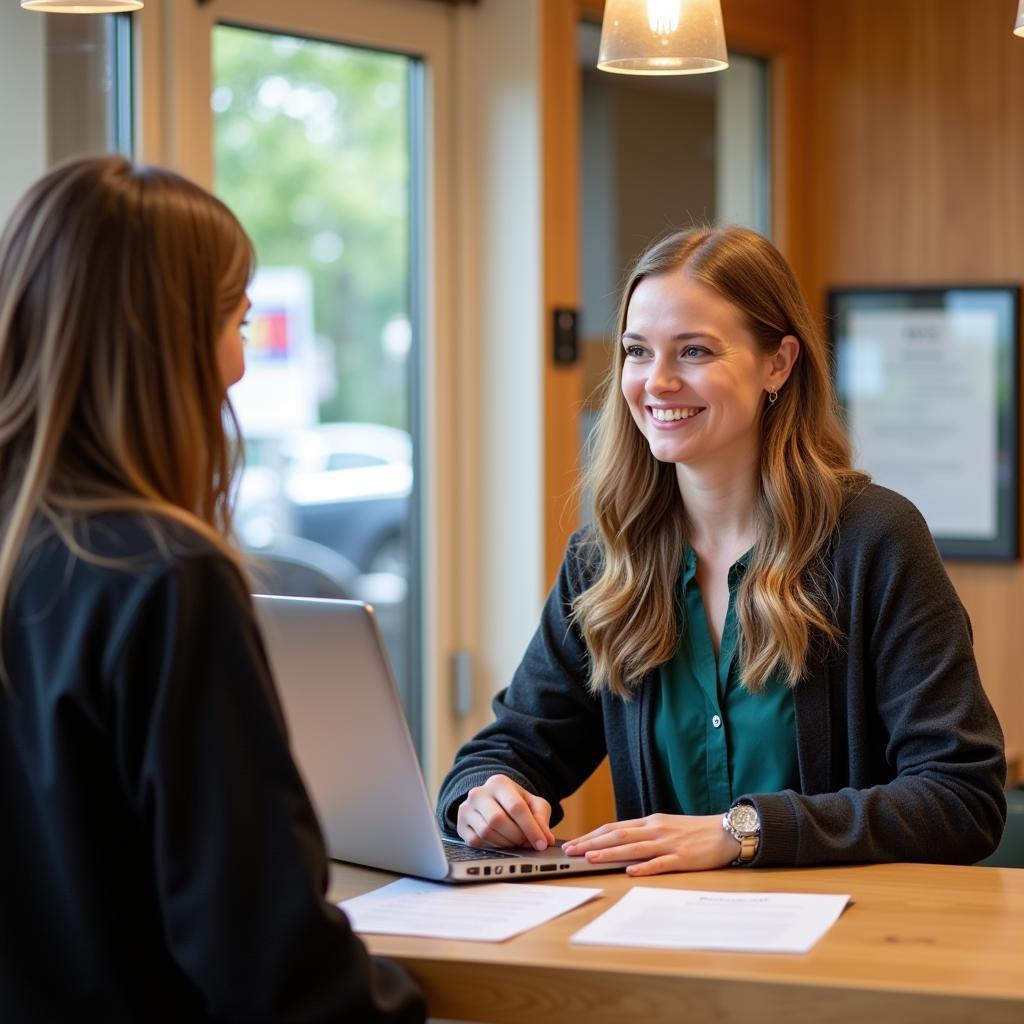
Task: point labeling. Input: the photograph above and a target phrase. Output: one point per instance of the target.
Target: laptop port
(548, 867)
(498, 868)
(472, 871)
(487, 871)
(511, 869)
(525, 869)
(563, 867)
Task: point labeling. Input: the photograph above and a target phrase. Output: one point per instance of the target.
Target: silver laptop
(350, 739)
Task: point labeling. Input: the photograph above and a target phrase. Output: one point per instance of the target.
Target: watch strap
(748, 850)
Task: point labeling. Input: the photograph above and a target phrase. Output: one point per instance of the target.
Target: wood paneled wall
(916, 146)
(563, 384)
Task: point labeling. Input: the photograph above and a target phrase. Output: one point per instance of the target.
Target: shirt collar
(736, 571)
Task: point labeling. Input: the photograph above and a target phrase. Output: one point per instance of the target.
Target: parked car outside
(346, 486)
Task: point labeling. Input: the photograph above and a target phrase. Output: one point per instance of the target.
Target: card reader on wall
(566, 343)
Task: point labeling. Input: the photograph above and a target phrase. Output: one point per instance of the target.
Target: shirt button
(716, 721)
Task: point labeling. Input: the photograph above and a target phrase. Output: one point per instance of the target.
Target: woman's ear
(781, 364)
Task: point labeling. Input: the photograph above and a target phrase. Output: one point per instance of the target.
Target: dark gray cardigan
(900, 753)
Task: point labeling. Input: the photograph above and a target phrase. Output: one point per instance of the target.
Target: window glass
(66, 80)
(313, 151)
(88, 80)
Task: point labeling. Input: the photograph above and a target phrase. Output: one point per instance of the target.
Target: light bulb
(662, 37)
(663, 16)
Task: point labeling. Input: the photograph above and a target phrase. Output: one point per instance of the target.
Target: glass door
(320, 123)
(313, 149)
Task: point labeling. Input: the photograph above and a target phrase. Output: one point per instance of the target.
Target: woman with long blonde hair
(162, 858)
(765, 644)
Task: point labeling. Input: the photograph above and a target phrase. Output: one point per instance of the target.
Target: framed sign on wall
(928, 381)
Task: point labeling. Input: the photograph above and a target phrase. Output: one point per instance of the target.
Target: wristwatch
(743, 824)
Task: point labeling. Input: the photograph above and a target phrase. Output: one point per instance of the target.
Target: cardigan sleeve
(238, 862)
(918, 765)
(548, 732)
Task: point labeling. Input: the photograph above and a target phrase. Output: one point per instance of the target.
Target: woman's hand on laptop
(500, 813)
(660, 842)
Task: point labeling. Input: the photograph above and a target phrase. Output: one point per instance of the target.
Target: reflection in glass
(88, 82)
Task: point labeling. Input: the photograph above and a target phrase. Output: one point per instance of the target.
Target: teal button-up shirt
(714, 740)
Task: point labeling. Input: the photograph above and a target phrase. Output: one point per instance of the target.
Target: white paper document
(485, 913)
(753, 922)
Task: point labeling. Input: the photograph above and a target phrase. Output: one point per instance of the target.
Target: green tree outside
(312, 153)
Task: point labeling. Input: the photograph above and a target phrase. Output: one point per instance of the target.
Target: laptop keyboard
(460, 852)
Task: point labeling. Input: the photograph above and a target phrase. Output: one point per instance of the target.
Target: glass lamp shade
(662, 37)
(81, 6)
(1018, 25)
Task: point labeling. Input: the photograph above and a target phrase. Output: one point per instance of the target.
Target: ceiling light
(663, 37)
(81, 6)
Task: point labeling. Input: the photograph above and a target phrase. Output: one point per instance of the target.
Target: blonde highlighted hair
(116, 282)
(630, 616)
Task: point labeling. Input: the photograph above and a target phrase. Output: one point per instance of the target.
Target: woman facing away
(765, 644)
(162, 861)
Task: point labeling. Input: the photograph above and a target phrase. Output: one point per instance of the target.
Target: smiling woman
(765, 644)
(693, 374)
(725, 308)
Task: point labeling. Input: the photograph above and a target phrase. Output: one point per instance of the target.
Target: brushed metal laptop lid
(351, 742)
(349, 736)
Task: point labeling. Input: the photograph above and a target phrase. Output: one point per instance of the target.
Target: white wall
(502, 265)
(23, 115)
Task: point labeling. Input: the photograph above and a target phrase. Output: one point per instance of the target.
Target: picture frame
(928, 381)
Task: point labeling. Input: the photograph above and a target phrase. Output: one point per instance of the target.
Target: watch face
(743, 818)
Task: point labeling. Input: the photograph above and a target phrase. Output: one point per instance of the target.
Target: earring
(773, 395)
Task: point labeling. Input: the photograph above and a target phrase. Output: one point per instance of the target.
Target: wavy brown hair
(630, 617)
(116, 282)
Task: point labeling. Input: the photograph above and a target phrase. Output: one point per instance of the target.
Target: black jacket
(161, 860)
(900, 754)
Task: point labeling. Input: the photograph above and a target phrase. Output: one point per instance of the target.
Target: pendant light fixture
(81, 6)
(663, 37)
